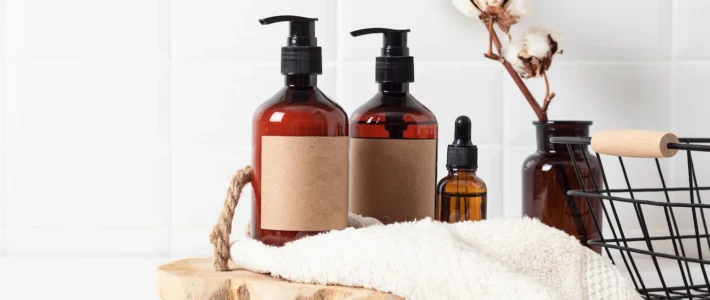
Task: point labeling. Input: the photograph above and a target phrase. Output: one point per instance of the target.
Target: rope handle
(219, 237)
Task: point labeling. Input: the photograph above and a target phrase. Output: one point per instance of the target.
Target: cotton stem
(490, 37)
(548, 95)
(539, 112)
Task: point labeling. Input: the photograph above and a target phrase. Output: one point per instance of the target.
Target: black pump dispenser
(394, 65)
(301, 55)
(462, 153)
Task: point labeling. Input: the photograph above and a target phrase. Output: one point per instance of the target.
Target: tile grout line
(454, 62)
(504, 146)
(338, 58)
(672, 78)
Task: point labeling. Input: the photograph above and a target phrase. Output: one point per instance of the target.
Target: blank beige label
(304, 183)
(392, 180)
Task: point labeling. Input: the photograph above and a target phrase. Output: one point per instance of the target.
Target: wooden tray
(195, 278)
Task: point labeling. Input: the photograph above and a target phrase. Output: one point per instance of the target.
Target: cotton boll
(536, 42)
(467, 8)
(511, 54)
(518, 7)
(532, 55)
(557, 38)
(485, 4)
(511, 51)
(494, 2)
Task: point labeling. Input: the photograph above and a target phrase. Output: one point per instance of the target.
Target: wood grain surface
(195, 278)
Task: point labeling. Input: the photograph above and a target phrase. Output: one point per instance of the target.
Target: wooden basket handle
(219, 237)
(634, 143)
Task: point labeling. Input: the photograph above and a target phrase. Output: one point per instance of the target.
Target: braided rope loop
(219, 237)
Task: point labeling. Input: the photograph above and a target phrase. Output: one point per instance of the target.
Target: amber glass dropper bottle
(461, 195)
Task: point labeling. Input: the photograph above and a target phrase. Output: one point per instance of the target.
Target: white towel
(493, 259)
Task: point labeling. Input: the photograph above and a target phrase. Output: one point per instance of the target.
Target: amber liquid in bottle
(461, 196)
(393, 115)
(298, 109)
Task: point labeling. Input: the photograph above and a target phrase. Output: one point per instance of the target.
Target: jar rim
(562, 122)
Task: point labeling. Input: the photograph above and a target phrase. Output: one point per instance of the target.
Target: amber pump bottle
(393, 141)
(461, 195)
(300, 148)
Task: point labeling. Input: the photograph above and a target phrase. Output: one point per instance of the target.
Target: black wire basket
(654, 210)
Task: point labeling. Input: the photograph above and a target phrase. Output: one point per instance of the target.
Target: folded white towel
(493, 259)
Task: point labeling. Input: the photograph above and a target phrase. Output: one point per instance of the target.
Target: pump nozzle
(285, 18)
(301, 54)
(394, 64)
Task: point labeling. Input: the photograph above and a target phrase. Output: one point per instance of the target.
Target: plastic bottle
(393, 141)
(300, 148)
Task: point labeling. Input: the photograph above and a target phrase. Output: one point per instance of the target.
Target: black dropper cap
(394, 64)
(462, 153)
(301, 55)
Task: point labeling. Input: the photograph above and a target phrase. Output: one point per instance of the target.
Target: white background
(123, 121)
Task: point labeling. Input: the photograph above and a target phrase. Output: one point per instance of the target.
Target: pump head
(462, 153)
(394, 63)
(301, 55)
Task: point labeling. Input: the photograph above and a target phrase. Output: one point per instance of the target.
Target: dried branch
(490, 37)
(548, 95)
(539, 111)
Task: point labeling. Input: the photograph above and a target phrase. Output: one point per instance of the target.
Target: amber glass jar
(549, 173)
(299, 109)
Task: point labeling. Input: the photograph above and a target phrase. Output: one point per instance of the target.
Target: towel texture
(493, 259)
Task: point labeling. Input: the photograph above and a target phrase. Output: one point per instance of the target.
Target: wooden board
(195, 278)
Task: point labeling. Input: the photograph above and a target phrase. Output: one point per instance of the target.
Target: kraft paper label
(393, 180)
(304, 183)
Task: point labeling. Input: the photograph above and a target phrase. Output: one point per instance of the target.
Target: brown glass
(461, 196)
(549, 173)
(298, 109)
(393, 113)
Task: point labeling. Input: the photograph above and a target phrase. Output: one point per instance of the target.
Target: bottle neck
(394, 87)
(462, 172)
(301, 80)
(544, 131)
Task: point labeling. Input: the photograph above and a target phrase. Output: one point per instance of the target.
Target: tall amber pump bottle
(461, 195)
(300, 148)
(393, 141)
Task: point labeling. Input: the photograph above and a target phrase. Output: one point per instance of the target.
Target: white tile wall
(123, 121)
(80, 103)
(608, 29)
(691, 26)
(229, 30)
(2, 129)
(88, 30)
